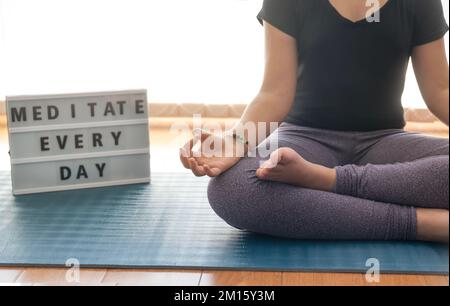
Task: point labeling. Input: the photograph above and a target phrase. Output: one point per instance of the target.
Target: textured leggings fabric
(382, 177)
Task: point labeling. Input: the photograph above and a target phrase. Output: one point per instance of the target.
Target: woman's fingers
(184, 158)
(209, 144)
(189, 145)
(185, 153)
(201, 134)
(212, 172)
(196, 169)
(192, 158)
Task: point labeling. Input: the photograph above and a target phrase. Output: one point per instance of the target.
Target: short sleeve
(429, 22)
(281, 14)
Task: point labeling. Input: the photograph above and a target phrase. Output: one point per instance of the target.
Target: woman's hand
(272, 104)
(211, 155)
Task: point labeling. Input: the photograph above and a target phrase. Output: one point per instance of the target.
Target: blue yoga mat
(169, 224)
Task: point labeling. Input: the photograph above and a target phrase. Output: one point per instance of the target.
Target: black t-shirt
(352, 74)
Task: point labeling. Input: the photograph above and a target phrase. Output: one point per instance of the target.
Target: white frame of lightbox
(43, 128)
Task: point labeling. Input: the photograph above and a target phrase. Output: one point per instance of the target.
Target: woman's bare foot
(433, 225)
(287, 166)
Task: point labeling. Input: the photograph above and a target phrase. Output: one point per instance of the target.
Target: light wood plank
(342, 279)
(58, 276)
(323, 279)
(411, 280)
(9, 275)
(65, 284)
(43, 276)
(240, 278)
(152, 277)
(434, 280)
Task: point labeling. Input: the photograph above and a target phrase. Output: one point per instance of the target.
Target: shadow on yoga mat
(169, 224)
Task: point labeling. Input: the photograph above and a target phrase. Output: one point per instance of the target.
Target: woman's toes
(267, 173)
(262, 173)
(268, 164)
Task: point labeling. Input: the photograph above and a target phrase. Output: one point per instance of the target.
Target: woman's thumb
(201, 134)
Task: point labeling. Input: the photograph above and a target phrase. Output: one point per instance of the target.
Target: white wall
(181, 50)
(208, 51)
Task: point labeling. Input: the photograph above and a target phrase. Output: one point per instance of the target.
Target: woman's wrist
(241, 144)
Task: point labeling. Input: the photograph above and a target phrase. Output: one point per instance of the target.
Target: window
(194, 51)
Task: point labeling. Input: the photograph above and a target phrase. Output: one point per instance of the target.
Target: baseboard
(173, 110)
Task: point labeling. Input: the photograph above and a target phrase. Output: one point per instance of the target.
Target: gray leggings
(382, 177)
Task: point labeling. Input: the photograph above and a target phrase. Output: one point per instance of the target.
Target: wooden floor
(108, 277)
(45, 276)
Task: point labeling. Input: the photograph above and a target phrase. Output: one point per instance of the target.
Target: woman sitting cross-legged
(345, 168)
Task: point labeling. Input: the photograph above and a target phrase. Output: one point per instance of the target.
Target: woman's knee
(233, 194)
(436, 172)
(444, 178)
(439, 167)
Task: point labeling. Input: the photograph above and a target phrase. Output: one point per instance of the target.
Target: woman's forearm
(439, 105)
(431, 69)
(263, 115)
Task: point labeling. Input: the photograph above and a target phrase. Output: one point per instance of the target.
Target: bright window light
(182, 51)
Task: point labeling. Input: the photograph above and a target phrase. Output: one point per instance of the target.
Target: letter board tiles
(75, 141)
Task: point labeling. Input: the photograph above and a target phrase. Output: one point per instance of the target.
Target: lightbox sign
(75, 141)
